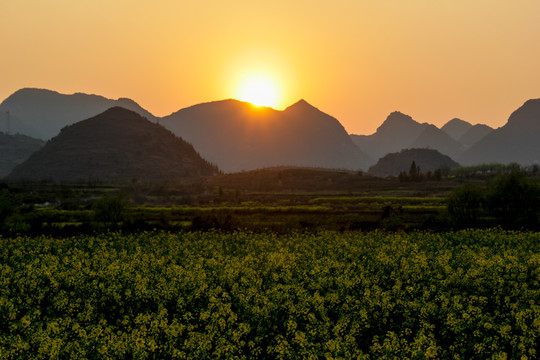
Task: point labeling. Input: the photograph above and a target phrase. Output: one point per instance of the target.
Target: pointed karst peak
(397, 119)
(113, 117)
(528, 115)
(398, 116)
(117, 144)
(456, 128)
(301, 105)
(118, 112)
(458, 122)
(127, 101)
(301, 102)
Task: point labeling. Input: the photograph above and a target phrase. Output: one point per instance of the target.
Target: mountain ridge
(516, 141)
(433, 137)
(456, 128)
(400, 131)
(42, 113)
(239, 136)
(244, 136)
(474, 134)
(117, 144)
(426, 159)
(15, 149)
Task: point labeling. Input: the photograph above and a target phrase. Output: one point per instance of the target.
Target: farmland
(273, 264)
(459, 295)
(275, 200)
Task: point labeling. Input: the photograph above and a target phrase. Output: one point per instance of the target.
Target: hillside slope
(455, 128)
(15, 149)
(239, 136)
(117, 144)
(517, 141)
(41, 113)
(397, 132)
(434, 138)
(474, 134)
(426, 159)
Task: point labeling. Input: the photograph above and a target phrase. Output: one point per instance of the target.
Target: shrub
(466, 205)
(110, 210)
(6, 206)
(512, 201)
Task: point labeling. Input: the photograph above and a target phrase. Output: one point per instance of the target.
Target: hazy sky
(356, 60)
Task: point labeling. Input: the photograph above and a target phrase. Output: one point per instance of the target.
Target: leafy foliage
(109, 210)
(6, 205)
(511, 201)
(514, 200)
(462, 295)
(467, 204)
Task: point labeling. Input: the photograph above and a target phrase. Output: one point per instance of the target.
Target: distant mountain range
(239, 136)
(465, 133)
(400, 131)
(456, 128)
(474, 134)
(232, 134)
(397, 132)
(436, 139)
(426, 159)
(15, 149)
(41, 113)
(517, 141)
(117, 144)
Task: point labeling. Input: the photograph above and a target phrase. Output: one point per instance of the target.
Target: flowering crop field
(459, 295)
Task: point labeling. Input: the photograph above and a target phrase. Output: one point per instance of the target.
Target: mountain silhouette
(426, 159)
(237, 136)
(465, 133)
(434, 138)
(397, 132)
(15, 149)
(474, 134)
(517, 141)
(456, 128)
(117, 144)
(400, 131)
(41, 113)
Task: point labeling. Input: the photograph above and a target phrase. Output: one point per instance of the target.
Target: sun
(260, 90)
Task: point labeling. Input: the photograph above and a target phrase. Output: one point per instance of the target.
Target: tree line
(511, 201)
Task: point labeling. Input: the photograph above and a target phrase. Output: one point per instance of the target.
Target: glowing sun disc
(260, 91)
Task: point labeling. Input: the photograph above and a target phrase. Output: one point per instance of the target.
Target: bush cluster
(511, 201)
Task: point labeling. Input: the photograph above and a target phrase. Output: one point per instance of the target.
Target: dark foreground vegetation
(279, 200)
(461, 295)
(276, 263)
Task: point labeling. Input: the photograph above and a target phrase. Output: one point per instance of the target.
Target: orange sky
(356, 60)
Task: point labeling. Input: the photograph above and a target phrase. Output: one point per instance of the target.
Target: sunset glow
(357, 60)
(260, 91)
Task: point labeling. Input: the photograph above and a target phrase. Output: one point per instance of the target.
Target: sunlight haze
(355, 60)
(259, 90)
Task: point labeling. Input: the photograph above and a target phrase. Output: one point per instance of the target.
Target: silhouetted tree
(7, 207)
(466, 205)
(109, 210)
(514, 200)
(414, 172)
(403, 177)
